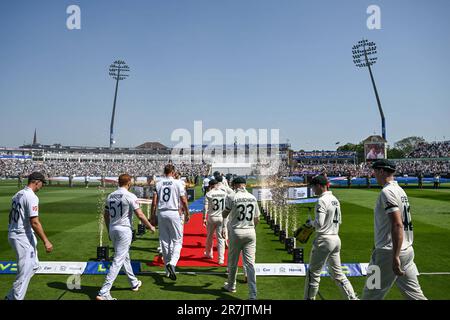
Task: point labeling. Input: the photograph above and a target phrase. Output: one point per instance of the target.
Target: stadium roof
(374, 139)
(152, 145)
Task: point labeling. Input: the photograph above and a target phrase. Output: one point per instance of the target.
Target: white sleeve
(33, 204)
(157, 188)
(133, 200)
(389, 201)
(181, 189)
(320, 214)
(205, 205)
(258, 213)
(228, 202)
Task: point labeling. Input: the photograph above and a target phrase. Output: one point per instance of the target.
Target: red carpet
(194, 240)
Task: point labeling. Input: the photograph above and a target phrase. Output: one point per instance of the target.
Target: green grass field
(69, 216)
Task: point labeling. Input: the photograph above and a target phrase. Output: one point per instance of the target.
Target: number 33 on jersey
(243, 210)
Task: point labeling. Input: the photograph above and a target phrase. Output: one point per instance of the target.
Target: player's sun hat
(384, 164)
(37, 176)
(239, 180)
(320, 179)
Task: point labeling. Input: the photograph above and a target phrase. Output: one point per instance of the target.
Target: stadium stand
(64, 168)
(324, 156)
(149, 159)
(431, 150)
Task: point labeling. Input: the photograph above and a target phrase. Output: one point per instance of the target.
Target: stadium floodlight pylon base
(140, 230)
(276, 229)
(289, 245)
(282, 236)
(298, 256)
(102, 253)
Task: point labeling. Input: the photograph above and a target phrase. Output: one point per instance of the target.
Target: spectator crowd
(409, 167)
(323, 154)
(431, 150)
(63, 168)
(141, 166)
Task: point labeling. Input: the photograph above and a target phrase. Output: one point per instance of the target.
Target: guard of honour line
(231, 214)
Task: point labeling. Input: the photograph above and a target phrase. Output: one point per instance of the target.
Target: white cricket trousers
(214, 226)
(225, 223)
(408, 284)
(170, 235)
(24, 245)
(227, 227)
(326, 250)
(242, 240)
(121, 238)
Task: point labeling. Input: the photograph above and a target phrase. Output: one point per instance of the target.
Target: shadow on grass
(90, 291)
(151, 250)
(139, 238)
(205, 289)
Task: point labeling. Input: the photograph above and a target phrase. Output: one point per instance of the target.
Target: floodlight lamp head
(117, 70)
(363, 53)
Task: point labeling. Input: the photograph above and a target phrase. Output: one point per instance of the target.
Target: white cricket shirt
(121, 205)
(327, 215)
(392, 198)
(243, 209)
(24, 205)
(215, 202)
(169, 192)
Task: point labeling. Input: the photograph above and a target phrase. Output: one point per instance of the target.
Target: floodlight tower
(364, 56)
(119, 70)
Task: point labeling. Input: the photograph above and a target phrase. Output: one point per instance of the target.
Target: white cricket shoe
(105, 297)
(227, 287)
(171, 269)
(207, 255)
(167, 272)
(136, 287)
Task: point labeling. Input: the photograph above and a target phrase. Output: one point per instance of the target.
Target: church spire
(35, 138)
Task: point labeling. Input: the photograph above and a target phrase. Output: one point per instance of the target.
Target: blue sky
(232, 64)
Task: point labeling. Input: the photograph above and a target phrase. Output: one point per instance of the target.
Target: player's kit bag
(303, 233)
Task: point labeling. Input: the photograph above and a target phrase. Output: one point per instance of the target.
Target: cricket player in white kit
(393, 253)
(23, 224)
(327, 244)
(169, 198)
(243, 209)
(177, 176)
(212, 218)
(205, 185)
(119, 209)
(221, 185)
